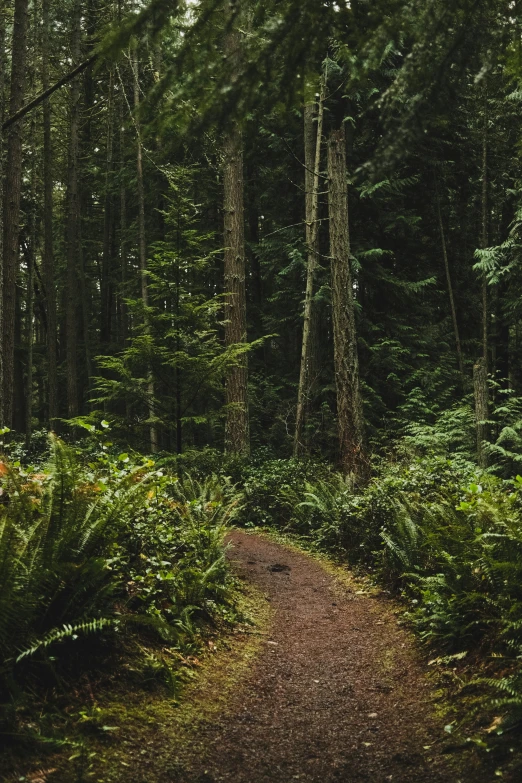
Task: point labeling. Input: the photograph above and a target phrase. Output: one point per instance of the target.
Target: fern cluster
(437, 530)
(100, 548)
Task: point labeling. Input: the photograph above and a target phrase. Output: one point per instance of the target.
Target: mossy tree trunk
(352, 457)
(312, 146)
(237, 436)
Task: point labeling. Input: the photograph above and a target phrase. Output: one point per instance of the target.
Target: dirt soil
(338, 692)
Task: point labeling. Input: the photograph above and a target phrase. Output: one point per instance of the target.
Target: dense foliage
(432, 527)
(115, 295)
(110, 547)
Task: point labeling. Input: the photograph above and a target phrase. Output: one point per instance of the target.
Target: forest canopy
(169, 244)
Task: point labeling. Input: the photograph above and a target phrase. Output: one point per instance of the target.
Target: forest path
(337, 692)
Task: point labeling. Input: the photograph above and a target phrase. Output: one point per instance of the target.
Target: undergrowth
(99, 556)
(435, 529)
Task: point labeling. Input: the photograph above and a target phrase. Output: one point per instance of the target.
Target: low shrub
(271, 488)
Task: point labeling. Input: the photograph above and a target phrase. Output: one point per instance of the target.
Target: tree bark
(48, 249)
(72, 238)
(124, 326)
(480, 370)
(108, 226)
(2, 112)
(480, 382)
(12, 191)
(31, 264)
(312, 146)
(352, 458)
(484, 236)
(237, 431)
(142, 249)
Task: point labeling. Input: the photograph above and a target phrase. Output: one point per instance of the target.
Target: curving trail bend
(337, 693)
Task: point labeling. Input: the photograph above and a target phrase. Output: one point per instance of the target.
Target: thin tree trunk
(450, 291)
(108, 220)
(142, 248)
(352, 458)
(312, 146)
(480, 382)
(85, 305)
(178, 377)
(31, 264)
(13, 184)
(480, 370)
(19, 399)
(237, 434)
(72, 239)
(124, 327)
(484, 236)
(48, 249)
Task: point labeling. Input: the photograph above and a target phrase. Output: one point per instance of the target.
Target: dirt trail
(337, 693)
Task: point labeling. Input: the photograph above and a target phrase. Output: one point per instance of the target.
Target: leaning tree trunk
(237, 437)
(312, 147)
(352, 458)
(13, 185)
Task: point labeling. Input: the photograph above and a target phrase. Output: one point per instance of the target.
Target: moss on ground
(131, 732)
(157, 733)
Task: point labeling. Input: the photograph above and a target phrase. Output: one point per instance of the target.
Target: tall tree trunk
(312, 147)
(12, 190)
(31, 264)
(142, 248)
(484, 235)
(108, 225)
(122, 292)
(237, 434)
(450, 290)
(2, 117)
(480, 370)
(72, 239)
(352, 458)
(48, 249)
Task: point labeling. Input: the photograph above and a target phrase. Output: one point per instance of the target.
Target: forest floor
(323, 685)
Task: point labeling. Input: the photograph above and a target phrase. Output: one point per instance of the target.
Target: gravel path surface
(337, 693)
